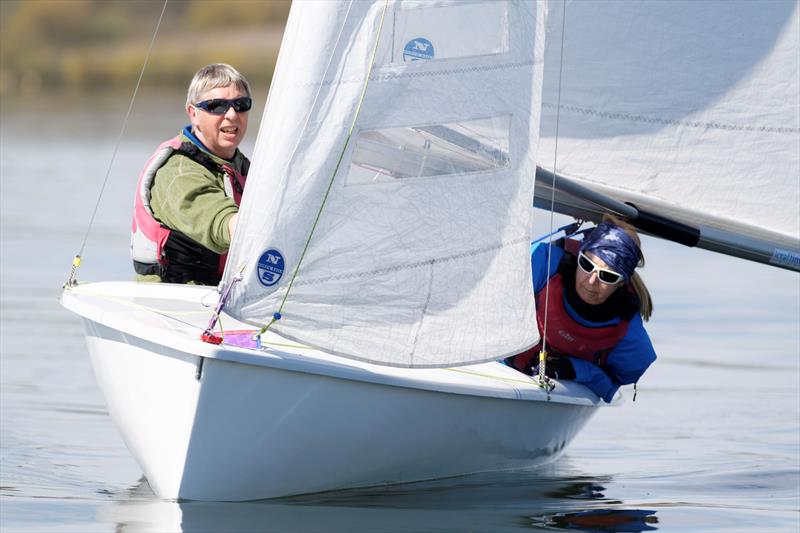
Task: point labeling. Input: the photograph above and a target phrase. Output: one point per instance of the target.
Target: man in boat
(593, 304)
(188, 195)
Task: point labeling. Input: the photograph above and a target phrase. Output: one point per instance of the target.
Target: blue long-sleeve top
(626, 362)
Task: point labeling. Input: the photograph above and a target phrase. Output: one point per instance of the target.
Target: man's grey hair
(214, 76)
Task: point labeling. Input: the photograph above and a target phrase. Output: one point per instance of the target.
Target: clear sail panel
(388, 154)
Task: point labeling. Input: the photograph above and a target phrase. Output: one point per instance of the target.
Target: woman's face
(221, 134)
(589, 287)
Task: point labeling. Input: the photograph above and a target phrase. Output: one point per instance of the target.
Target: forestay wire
(77, 259)
(544, 381)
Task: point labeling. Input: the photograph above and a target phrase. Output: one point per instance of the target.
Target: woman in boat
(188, 195)
(594, 306)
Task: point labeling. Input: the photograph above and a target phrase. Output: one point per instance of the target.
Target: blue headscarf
(611, 244)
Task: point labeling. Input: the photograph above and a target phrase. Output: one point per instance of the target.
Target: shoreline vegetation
(86, 46)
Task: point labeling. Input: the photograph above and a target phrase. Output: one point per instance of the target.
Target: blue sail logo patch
(270, 267)
(418, 49)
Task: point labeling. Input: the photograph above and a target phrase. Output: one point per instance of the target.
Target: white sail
(419, 254)
(687, 109)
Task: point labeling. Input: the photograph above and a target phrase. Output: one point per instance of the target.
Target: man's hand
(232, 224)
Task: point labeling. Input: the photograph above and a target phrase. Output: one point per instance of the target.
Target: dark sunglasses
(609, 277)
(220, 106)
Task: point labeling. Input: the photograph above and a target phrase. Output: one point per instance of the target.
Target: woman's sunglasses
(220, 106)
(609, 277)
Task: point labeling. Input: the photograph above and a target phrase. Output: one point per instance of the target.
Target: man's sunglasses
(220, 106)
(609, 277)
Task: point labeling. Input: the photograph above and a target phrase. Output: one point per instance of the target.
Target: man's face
(221, 134)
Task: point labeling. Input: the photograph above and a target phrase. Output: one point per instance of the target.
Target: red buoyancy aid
(565, 336)
(148, 235)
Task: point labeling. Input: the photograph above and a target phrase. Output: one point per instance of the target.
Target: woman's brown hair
(645, 300)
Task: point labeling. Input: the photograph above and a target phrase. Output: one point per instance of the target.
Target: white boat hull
(261, 424)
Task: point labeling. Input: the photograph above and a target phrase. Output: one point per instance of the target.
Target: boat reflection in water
(485, 502)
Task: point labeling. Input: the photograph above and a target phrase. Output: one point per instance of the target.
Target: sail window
(388, 154)
(450, 32)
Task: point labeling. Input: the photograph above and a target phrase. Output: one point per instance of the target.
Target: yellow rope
(128, 303)
(164, 314)
(491, 376)
(167, 314)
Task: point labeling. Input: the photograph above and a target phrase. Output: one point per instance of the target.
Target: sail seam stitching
(410, 266)
(670, 122)
(423, 311)
(447, 72)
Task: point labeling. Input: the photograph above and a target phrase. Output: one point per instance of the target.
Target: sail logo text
(270, 267)
(417, 49)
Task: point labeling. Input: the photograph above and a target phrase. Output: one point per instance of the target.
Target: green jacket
(189, 198)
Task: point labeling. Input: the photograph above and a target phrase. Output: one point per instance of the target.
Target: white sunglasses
(609, 277)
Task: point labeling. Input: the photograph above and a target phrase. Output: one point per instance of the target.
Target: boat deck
(176, 315)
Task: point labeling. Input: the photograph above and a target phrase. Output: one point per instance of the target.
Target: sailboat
(380, 265)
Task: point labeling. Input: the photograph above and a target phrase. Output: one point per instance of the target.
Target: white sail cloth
(419, 256)
(688, 109)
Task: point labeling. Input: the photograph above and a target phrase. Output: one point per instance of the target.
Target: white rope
(542, 362)
(77, 261)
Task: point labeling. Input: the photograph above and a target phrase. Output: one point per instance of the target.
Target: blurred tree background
(100, 45)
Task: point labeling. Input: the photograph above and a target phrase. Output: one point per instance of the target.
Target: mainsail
(387, 215)
(689, 110)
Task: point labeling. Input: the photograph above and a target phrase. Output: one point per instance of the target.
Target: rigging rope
(76, 261)
(277, 315)
(544, 381)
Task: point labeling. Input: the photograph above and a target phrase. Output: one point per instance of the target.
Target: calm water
(712, 442)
